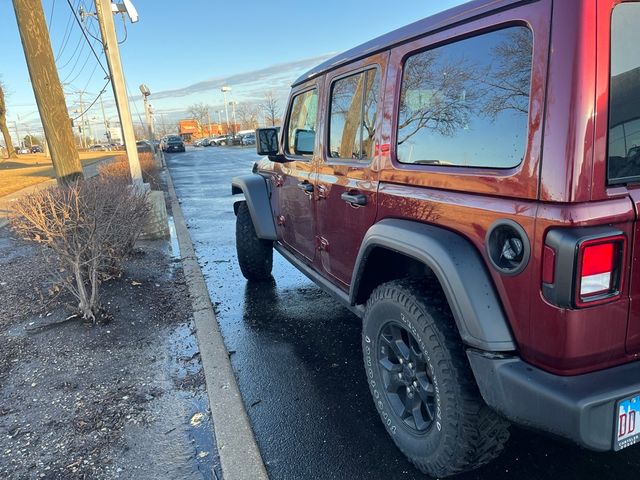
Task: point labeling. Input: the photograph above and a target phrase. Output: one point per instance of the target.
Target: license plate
(628, 423)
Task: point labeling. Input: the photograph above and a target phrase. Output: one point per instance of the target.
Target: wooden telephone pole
(48, 90)
(110, 40)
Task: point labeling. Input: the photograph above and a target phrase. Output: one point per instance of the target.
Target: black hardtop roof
(420, 28)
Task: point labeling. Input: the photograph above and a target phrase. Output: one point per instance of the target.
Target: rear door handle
(354, 198)
(305, 187)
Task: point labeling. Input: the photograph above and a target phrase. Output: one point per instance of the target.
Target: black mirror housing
(267, 141)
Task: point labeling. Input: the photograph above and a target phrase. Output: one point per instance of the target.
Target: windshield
(624, 101)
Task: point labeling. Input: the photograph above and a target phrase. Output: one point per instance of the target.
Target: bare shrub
(87, 230)
(120, 168)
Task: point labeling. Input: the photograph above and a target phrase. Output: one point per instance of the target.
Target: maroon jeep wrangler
(469, 186)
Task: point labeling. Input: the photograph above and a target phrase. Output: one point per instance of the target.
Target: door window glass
(624, 92)
(466, 103)
(302, 124)
(354, 102)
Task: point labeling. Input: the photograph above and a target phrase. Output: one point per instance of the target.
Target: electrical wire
(86, 37)
(104, 89)
(126, 34)
(65, 37)
(53, 5)
(73, 55)
(95, 67)
(86, 60)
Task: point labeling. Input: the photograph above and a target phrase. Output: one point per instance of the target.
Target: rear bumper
(581, 408)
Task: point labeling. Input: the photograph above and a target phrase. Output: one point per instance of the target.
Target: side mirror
(304, 141)
(267, 141)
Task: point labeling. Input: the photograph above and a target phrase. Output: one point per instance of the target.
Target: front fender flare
(460, 270)
(256, 194)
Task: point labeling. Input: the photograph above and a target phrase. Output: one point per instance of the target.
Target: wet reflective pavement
(296, 354)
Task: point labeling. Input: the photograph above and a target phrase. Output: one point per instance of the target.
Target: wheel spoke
(389, 366)
(393, 384)
(418, 418)
(406, 382)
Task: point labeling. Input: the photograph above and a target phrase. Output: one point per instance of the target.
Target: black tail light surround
(583, 267)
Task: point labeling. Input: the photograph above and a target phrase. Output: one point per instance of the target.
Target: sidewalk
(90, 170)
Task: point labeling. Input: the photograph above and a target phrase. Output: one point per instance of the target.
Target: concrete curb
(239, 454)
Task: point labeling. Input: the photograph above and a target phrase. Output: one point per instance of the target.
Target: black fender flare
(462, 274)
(256, 193)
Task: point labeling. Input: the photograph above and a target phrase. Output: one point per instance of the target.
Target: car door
(295, 178)
(347, 175)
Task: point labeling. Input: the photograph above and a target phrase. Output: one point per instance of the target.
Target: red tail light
(582, 267)
(598, 272)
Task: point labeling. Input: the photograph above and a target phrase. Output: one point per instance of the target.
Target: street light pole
(235, 123)
(226, 89)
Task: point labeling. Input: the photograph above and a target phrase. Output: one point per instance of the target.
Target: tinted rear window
(466, 103)
(624, 99)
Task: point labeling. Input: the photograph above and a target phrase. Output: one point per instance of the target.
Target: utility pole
(208, 122)
(104, 13)
(48, 90)
(15, 126)
(106, 123)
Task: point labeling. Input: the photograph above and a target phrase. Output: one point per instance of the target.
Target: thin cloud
(274, 72)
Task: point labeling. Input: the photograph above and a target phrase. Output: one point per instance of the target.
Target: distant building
(191, 129)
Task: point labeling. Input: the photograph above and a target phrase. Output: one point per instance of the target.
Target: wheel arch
(417, 248)
(256, 194)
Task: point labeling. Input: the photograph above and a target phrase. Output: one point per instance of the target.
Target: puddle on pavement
(185, 370)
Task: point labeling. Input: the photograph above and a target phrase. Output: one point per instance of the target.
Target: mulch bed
(121, 399)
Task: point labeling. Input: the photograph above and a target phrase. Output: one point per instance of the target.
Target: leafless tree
(247, 116)
(271, 108)
(11, 153)
(509, 79)
(437, 94)
(200, 112)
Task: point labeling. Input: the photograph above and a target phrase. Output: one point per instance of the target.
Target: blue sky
(185, 50)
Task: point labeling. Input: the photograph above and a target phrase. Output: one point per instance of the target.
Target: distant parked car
(144, 146)
(22, 150)
(205, 142)
(98, 148)
(197, 143)
(36, 149)
(173, 143)
(249, 139)
(219, 140)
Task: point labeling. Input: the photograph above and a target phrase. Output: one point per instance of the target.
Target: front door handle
(354, 198)
(305, 187)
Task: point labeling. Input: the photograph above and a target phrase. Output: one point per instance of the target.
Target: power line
(94, 101)
(53, 5)
(86, 37)
(65, 37)
(73, 55)
(80, 72)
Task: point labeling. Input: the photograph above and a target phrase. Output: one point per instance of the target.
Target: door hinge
(278, 180)
(322, 244)
(280, 220)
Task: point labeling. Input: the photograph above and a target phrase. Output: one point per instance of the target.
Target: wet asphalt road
(297, 357)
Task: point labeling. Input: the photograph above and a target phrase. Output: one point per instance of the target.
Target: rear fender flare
(460, 270)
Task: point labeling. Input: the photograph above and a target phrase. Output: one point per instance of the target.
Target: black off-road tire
(465, 432)
(255, 255)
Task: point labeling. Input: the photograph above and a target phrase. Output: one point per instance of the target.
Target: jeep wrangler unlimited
(469, 186)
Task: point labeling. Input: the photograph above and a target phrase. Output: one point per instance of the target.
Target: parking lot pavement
(296, 354)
